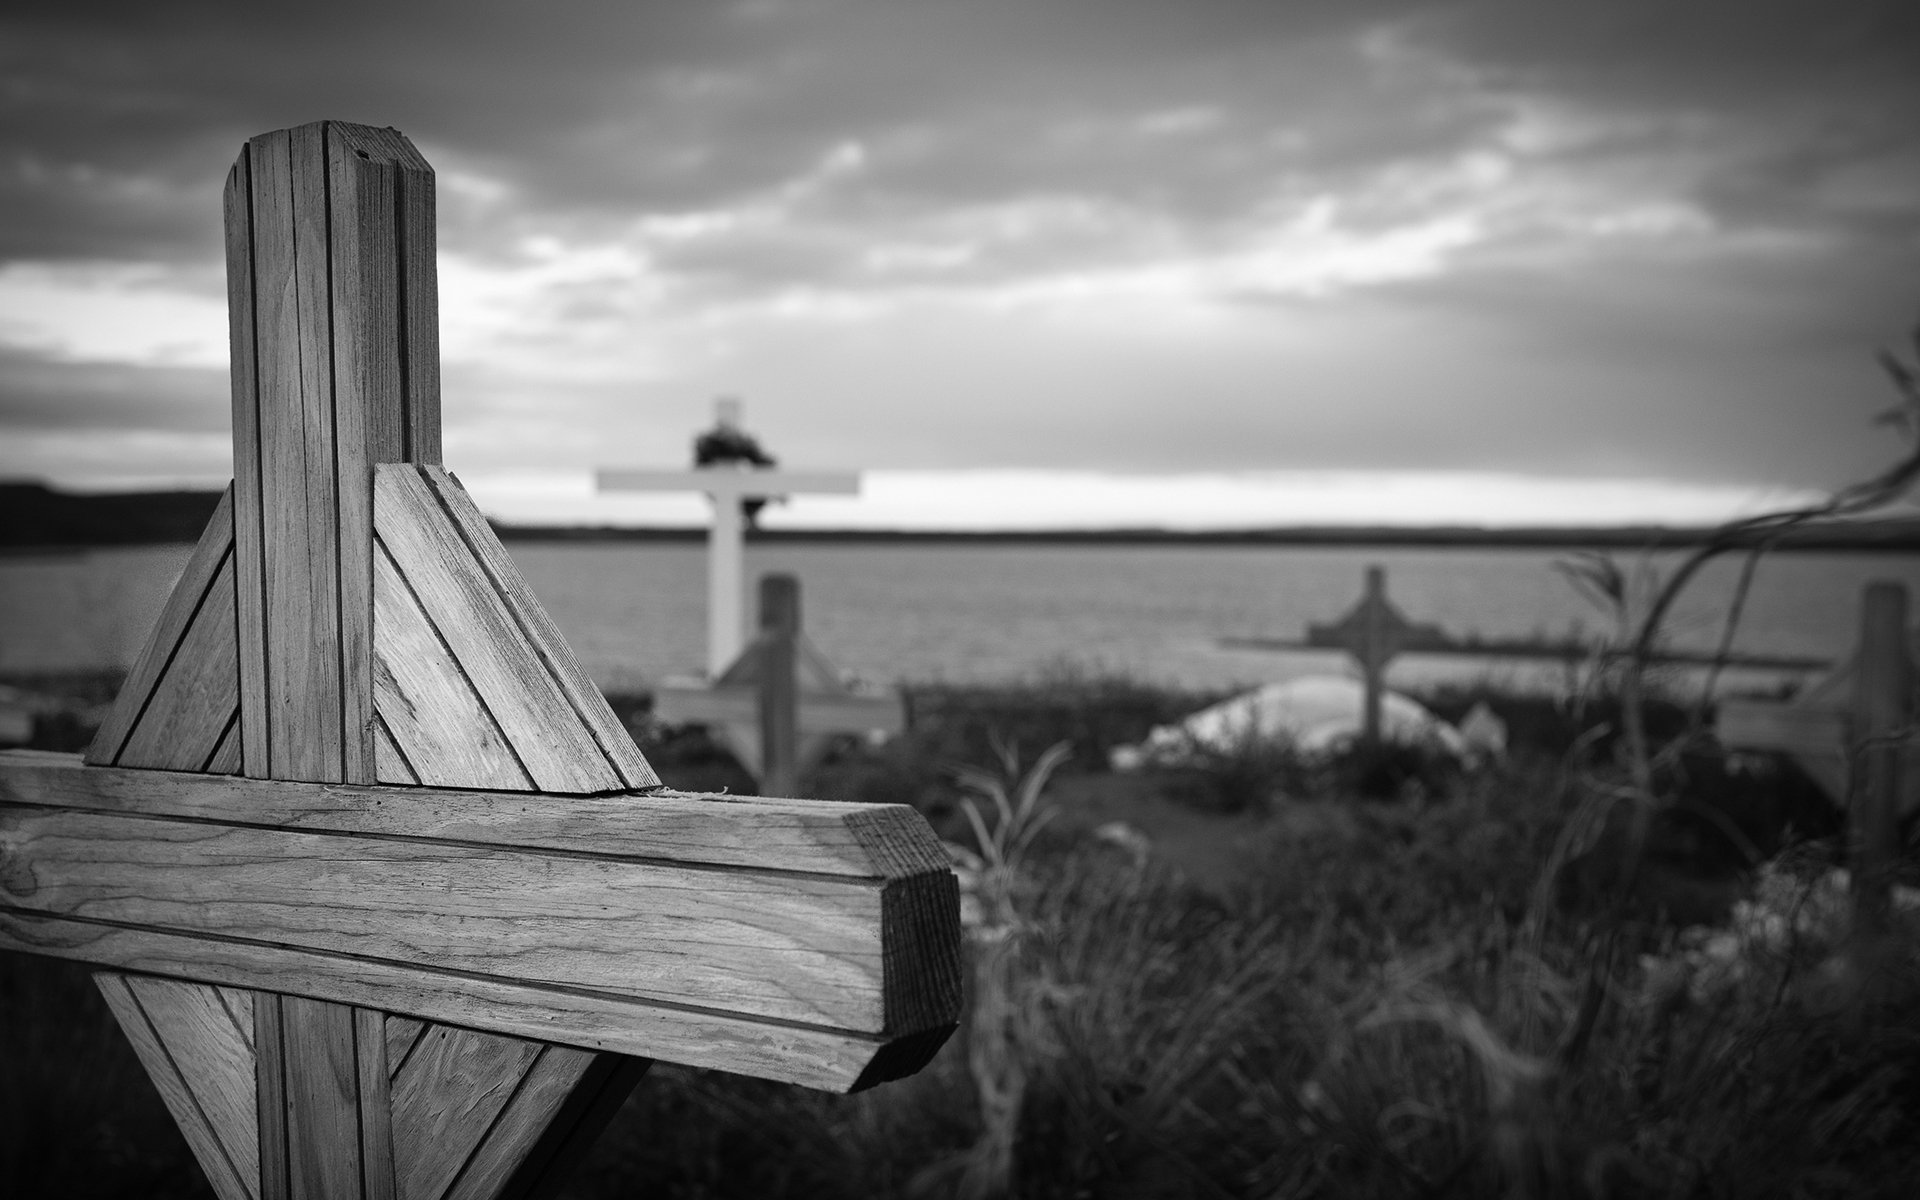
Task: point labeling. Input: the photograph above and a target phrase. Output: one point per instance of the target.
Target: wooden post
(779, 698)
(1374, 651)
(726, 552)
(1883, 717)
(331, 840)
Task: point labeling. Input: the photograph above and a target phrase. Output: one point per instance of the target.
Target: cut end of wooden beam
(904, 1057)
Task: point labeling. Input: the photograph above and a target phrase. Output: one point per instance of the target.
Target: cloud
(1632, 238)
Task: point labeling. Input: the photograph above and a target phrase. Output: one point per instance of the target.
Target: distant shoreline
(38, 519)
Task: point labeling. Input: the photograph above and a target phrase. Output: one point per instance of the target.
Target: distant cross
(726, 485)
(388, 903)
(1374, 632)
(780, 701)
(1854, 734)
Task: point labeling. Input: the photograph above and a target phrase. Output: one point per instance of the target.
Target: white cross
(725, 486)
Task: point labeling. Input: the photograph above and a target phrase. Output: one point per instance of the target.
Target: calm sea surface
(636, 612)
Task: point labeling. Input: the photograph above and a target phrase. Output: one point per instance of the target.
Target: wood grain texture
(376, 1104)
(248, 549)
(369, 396)
(570, 1134)
(190, 594)
(563, 1100)
(270, 1088)
(813, 837)
(227, 757)
(403, 1034)
(323, 1099)
(214, 1054)
(195, 702)
(297, 485)
(754, 943)
(535, 717)
(446, 1099)
(810, 1055)
(439, 725)
(213, 1133)
(390, 763)
(628, 764)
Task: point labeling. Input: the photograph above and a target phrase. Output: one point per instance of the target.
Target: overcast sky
(1515, 250)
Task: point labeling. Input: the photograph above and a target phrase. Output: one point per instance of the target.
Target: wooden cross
(389, 904)
(779, 702)
(1374, 631)
(726, 485)
(1854, 733)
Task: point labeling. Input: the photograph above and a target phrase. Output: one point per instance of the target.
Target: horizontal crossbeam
(814, 941)
(743, 482)
(814, 714)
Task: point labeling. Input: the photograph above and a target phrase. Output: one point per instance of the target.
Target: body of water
(635, 612)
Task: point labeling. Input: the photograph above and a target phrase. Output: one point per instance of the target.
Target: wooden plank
(240, 1008)
(222, 1173)
(214, 1056)
(546, 734)
(772, 945)
(369, 402)
(194, 703)
(425, 703)
(376, 1104)
(227, 758)
(549, 1106)
(248, 549)
(189, 595)
(812, 837)
(1883, 706)
(270, 1085)
(777, 696)
(569, 1135)
(810, 1055)
(390, 763)
(540, 632)
(447, 1098)
(298, 492)
(416, 238)
(403, 1034)
(323, 1099)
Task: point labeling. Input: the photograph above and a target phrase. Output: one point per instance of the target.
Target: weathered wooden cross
(781, 700)
(388, 902)
(1854, 733)
(1374, 632)
(726, 485)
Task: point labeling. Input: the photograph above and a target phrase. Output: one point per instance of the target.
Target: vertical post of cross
(725, 554)
(779, 693)
(333, 312)
(335, 332)
(1374, 651)
(1883, 697)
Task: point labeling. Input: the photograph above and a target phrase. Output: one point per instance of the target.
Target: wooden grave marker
(388, 903)
(780, 701)
(725, 486)
(1854, 733)
(1374, 632)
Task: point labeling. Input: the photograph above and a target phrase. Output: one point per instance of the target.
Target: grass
(1385, 1000)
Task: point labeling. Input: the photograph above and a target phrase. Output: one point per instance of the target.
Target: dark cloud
(37, 393)
(117, 120)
